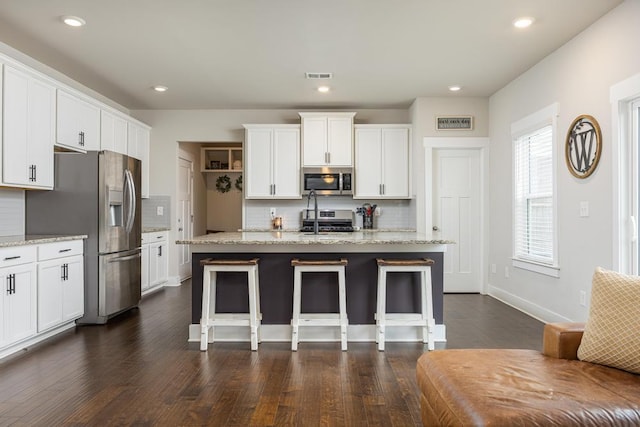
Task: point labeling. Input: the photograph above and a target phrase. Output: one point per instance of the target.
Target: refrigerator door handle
(131, 201)
(125, 258)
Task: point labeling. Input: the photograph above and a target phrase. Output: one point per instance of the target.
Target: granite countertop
(34, 239)
(154, 229)
(374, 237)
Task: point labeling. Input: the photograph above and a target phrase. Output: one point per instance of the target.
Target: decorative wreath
(238, 183)
(223, 184)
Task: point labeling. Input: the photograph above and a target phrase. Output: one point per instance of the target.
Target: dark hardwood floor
(139, 370)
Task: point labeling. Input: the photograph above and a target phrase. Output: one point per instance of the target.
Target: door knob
(435, 228)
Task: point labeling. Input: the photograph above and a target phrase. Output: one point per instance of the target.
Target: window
(534, 207)
(625, 138)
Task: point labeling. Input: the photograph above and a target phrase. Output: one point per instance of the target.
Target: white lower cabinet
(43, 292)
(155, 260)
(18, 276)
(60, 283)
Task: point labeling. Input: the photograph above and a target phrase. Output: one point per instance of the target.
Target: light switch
(584, 209)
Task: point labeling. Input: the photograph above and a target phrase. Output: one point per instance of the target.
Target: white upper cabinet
(138, 146)
(28, 117)
(78, 123)
(272, 162)
(383, 156)
(113, 132)
(327, 139)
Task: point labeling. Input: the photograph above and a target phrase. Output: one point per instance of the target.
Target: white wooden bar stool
(210, 319)
(319, 319)
(424, 319)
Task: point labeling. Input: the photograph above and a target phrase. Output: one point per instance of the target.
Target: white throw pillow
(612, 332)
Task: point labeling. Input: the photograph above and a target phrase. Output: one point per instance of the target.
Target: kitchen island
(276, 249)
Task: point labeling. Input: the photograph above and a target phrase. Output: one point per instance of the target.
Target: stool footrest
(321, 319)
(229, 319)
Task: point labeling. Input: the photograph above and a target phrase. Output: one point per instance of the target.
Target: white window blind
(533, 198)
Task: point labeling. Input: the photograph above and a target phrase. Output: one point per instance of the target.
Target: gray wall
(578, 76)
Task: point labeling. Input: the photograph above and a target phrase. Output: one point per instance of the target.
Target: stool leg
(257, 275)
(297, 295)
(342, 294)
(204, 315)
(253, 309)
(377, 313)
(428, 298)
(382, 306)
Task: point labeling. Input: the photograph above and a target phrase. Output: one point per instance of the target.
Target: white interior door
(456, 216)
(184, 215)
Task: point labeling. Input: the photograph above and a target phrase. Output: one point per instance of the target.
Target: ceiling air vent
(318, 75)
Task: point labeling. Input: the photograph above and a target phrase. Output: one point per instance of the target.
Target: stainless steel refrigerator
(97, 194)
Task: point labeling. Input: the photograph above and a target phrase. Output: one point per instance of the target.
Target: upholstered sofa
(525, 387)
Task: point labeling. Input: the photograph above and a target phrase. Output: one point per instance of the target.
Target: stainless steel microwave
(328, 181)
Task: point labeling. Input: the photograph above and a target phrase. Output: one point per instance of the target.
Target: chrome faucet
(316, 226)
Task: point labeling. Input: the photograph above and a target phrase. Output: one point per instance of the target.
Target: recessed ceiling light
(73, 21)
(454, 88)
(323, 89)
(523, 22)
(159, 88)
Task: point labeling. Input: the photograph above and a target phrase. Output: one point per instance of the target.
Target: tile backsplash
(151, 209)
(394, 213)
(12, 211)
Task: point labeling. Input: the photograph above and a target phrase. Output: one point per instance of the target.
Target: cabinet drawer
(60, 249)
(156, 236)
(16, 255)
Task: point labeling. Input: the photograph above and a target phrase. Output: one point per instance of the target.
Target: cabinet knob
(435, 228)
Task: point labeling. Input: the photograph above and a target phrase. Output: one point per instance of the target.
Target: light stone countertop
(33, 239)
(374, 237)
(154, 229)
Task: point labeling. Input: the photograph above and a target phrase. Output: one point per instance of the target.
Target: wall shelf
(221, 159)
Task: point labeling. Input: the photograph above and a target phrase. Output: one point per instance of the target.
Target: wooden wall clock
(583, 146)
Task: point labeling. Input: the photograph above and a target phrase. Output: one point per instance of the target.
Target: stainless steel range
(335, 220)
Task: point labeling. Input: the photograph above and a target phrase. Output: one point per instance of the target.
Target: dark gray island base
(276, 249)
(319, 290)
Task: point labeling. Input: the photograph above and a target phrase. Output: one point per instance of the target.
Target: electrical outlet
(272, 212)
(583, 298)
(160, 211)
(377, 212)
(493, 269)
(506, 272)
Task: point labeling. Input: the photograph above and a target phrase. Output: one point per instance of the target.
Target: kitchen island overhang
(276, 249)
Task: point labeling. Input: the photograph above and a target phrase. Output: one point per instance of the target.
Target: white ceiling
(254, 53)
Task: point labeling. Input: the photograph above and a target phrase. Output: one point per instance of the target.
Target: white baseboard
(29, 342)
(527, 307)
(173, 281)
(282, 333)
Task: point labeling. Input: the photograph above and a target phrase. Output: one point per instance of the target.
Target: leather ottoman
(493, 387)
